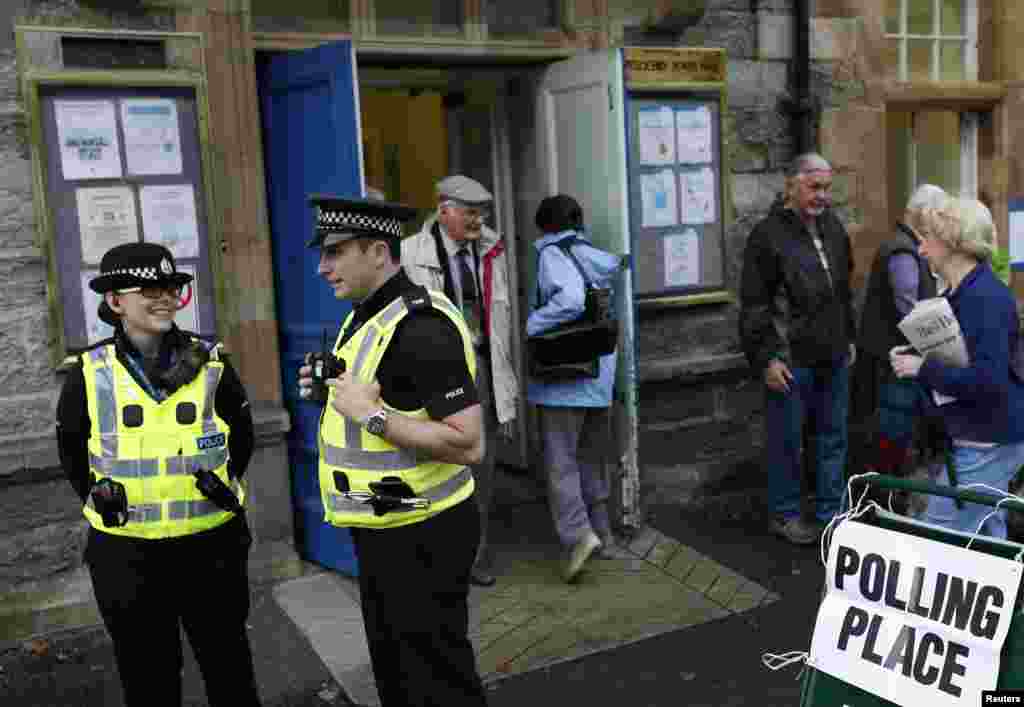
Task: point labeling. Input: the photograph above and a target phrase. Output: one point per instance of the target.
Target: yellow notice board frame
(43, 74)
(680, 261)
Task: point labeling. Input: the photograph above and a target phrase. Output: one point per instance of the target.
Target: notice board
(123, 165)
(676, 186)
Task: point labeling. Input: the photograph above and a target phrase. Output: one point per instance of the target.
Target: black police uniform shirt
(425, 365)
(73, 429)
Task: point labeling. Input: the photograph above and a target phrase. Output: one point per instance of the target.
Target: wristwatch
(376, 422)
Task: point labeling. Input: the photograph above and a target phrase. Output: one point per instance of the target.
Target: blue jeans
(994, 467)
(822, 393)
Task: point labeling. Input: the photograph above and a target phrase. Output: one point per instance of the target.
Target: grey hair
(927, 196)
(807, 162)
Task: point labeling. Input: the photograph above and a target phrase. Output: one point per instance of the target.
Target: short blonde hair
(964, 225)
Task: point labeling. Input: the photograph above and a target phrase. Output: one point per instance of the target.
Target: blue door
(310, 136)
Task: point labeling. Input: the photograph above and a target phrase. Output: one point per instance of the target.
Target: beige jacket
(419, 258)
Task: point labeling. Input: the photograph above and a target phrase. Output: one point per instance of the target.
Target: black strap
(566, 247)
(417, 298)
(442, 259)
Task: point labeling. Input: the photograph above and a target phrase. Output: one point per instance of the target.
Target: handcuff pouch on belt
(387, 495)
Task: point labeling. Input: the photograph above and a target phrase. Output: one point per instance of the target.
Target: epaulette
(417, 298)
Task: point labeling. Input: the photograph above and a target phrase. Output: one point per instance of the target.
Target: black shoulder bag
(573, 349)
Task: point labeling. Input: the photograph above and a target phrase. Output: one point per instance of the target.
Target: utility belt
(109, 499)
(388, 495)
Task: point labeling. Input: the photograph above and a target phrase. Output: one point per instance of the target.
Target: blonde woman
(981, 404)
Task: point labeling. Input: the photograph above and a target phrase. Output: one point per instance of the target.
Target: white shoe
(581, 552)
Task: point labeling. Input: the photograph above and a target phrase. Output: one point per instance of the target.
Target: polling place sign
(914, 621)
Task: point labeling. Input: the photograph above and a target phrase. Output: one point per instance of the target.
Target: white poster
(187, 317)
(95, 328)
(693, 130)
(698, 194)
(87, 132)
(106, 218)
(152, 140)
(169, 218)
(658, 198)
(914, 621)
(682, 259)
(656, 135)
(1016, 237)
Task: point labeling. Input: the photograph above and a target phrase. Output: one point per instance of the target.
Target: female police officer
(145, 420)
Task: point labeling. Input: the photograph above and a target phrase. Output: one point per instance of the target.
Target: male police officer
(401, 425)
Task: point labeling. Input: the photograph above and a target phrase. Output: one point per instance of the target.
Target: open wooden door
(575, 143)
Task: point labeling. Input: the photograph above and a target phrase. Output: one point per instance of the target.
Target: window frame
(970, 39)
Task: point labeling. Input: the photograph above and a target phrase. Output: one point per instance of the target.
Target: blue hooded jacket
(563, 297)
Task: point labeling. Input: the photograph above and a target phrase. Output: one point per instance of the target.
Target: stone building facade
(699, 408)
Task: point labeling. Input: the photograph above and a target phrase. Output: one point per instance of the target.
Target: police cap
(137, 265)
(340, 219)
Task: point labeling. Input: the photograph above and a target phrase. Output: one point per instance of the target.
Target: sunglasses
(154, 291)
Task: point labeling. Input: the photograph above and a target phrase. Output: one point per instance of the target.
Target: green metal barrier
(822, 690)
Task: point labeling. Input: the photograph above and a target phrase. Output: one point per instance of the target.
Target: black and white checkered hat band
(338, 221)
(141, 273)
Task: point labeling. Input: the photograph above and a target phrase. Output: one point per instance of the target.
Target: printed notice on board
(682, 259)
(106, 218)
(152, 141)
(187, 317)
(657, 135)
(693, 129)
(87, 132)
(169, 218)
(698, 194)
(95, 328)
(658, 198)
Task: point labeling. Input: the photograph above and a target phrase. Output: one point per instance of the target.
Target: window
(418, 17)
(932, 40)
(931, 147)
(522, 17)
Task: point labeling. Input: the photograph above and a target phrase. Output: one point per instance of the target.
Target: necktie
(471, 305)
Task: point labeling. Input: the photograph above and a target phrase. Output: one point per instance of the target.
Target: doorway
(421, 125)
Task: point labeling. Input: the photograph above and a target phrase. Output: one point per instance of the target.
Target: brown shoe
(795, 531)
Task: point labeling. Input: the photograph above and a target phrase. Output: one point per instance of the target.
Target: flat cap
(464, 190)
(340, 219)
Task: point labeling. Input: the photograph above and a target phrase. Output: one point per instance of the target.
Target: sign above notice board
(645, 65)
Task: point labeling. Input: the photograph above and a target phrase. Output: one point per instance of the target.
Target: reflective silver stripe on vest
(187, 465)
(106, 402)
(364, 460)
(392, 311)
(125, 468)
(353, 430)
(180, 510)
(212, 381)
(446, 489)
(141, 513)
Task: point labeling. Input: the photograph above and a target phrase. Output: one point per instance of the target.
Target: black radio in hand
(325, 366)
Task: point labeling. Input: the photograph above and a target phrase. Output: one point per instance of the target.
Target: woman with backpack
(572, 411)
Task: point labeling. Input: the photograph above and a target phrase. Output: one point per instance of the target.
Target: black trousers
(148, 590)
(414, 582)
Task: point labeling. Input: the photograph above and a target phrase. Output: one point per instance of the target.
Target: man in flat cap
(457, 253)
(401, 426)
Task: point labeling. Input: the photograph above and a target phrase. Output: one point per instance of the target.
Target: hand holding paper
(933, 330)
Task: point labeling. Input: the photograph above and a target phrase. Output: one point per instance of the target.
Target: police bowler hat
(137, 265)
(340, 219)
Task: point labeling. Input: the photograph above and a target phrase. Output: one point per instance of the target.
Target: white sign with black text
(915, 621)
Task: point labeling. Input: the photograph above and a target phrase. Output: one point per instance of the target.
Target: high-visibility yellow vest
(153, 447)
(362, 457)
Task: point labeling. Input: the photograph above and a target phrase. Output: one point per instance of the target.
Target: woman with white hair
(982, 404)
